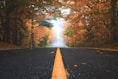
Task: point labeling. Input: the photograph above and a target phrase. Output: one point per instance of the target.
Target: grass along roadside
(4, 46)
(110, 47)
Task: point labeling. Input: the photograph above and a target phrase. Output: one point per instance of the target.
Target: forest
(91, 23)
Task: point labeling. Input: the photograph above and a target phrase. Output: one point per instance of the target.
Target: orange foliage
(40, 32)
(88, 20)
(39, 17)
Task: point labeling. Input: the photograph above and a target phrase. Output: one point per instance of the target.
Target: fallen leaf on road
(75, 65)
(52, 52)
(67, 73)
(99, 51)
(79, 74)
(83, 63)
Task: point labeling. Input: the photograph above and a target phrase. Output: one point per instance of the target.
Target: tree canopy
(92, 22)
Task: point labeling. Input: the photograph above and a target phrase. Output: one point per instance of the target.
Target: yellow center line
(59, 71)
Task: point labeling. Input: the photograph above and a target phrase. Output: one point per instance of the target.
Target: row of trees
(12, 21)
(94, 22)
(91, 21)
(14, 16)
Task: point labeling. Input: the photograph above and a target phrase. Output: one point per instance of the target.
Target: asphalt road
(90, 64)
(38, 63)
(27, 63)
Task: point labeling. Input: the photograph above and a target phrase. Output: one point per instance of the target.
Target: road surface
(27, 63)
(90, 63)
(80, 63)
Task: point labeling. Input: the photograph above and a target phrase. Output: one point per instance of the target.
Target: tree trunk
(114, 20)
(16, 27)
(6, 37)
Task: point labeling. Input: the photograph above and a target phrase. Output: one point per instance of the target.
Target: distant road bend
(72, 63)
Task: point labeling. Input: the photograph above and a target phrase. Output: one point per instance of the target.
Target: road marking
(59, 71)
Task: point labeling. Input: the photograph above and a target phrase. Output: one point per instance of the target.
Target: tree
(114, 19)
(90, 22)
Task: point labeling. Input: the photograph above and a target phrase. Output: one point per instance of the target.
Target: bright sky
(65, 11)
(58, 28)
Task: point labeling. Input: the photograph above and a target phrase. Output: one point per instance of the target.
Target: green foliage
(97, 0)
(56, 16)
(14, 4)
(18, 3)
(68, 32)
(26, 42)
(43, 43)
(1, 7)
(50, 1)
(22, 2)
(96, 11)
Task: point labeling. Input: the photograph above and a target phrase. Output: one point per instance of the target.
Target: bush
(44, 43)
